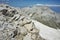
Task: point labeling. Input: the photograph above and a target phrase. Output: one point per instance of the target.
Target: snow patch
(47, 32)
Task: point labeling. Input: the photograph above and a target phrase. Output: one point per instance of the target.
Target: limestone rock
(29, 26)
(16, 26)
(23, 30)
(26, 21)
(28, 37)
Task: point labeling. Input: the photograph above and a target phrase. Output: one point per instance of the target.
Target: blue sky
(22, 3)
(30, 2)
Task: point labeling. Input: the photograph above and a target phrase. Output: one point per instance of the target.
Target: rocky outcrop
(16, 26)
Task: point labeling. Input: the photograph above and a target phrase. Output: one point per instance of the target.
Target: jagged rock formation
(16, 26)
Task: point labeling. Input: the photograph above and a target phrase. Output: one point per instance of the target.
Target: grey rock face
(16, 26)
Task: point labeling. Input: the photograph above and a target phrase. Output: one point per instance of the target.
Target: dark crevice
(15, 33)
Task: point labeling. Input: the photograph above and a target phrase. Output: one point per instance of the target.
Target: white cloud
(48, 5)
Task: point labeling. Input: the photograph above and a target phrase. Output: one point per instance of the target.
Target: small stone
(21, 23)
(4, 12)
(33, 36)
(27, 37)
(19, 37)
(23, 30)
(22, 17)
(34, 31)
(25, 21)
(29, 26)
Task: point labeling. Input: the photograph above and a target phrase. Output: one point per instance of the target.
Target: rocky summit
(16, 26)
(16, 23)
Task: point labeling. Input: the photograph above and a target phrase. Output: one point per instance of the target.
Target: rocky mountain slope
(18, 24)
(44, 15)
(47, 32)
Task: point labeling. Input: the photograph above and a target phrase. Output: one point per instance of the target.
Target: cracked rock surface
(16, 26)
